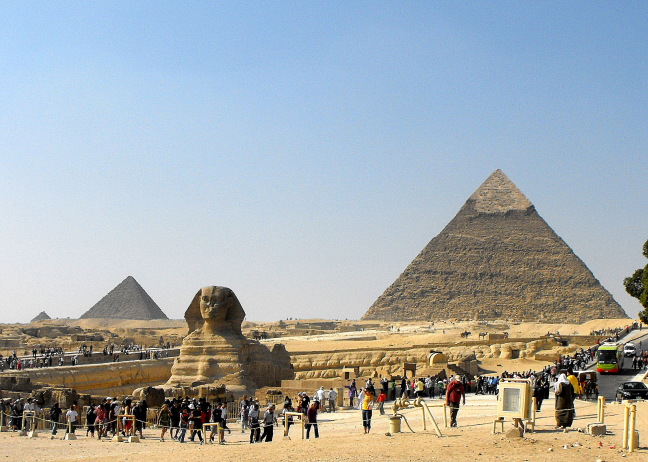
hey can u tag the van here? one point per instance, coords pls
(629, 349)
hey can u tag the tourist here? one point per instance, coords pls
(361, 396)
(30, 420)
(454, 395)
(369, 385)
(164, 419)
(184, 424)
(71, 417)
(381, 402)
(91, 417)
(366, 405)
(403, 388)
(140, 413)
(540, 392)
(287, 420)
(353, 391)
(564, 392)
(321, 396)
(223, 422)
(429, 387)
(175, 419)
(305, 403)
(244, 407)
(332, 397)
(195, 424)
(268, 422)
(384, 384)
(55, 414)
(100, 420)
(574, 381)
(311, 416)
(420, 388)
(253, 417)
(16, 415)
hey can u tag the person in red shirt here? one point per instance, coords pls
(381, 402)
(454, 395)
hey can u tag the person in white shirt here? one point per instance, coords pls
(71, 417)
(321, 395)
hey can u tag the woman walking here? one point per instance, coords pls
(564, 403)
(164, 420)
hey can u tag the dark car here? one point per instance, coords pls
(632, 390)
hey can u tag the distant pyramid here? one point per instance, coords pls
(496, 259)
(126, 301)
(42, 316)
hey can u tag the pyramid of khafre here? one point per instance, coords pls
(42, 316)
(496, 259)
(126, 301)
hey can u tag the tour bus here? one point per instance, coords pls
(609, 358)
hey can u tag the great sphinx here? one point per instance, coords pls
(216, 353)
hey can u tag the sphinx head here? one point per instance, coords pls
(215, 309)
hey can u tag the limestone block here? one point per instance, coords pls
(596, 429)
(515, 432)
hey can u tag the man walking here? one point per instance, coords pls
(269, 420)
(455, 393)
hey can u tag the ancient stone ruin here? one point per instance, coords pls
(217, 353)
(126, 301)
(496, 259)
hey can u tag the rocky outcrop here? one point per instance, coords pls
(497, 259)
(216, 353)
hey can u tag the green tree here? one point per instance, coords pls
(637, 286)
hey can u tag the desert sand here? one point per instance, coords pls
(342, 439)
(341, 436)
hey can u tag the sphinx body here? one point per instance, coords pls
(217, 353)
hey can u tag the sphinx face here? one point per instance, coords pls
(215, 303)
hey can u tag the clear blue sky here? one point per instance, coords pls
(303, 153)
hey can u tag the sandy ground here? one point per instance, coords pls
(342, 439)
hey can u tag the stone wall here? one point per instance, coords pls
(102, 379)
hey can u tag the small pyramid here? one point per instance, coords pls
(498, 259)
(126, 301)
(42, 316)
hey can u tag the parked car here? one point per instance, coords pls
(629, 349)
(632, 390)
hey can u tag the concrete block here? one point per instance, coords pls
(117, 439)
(596, 429)
(70, 436)
(133, 439)
(32, 434)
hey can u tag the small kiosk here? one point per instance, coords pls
(515, 402)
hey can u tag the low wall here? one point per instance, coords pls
(99, 379)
